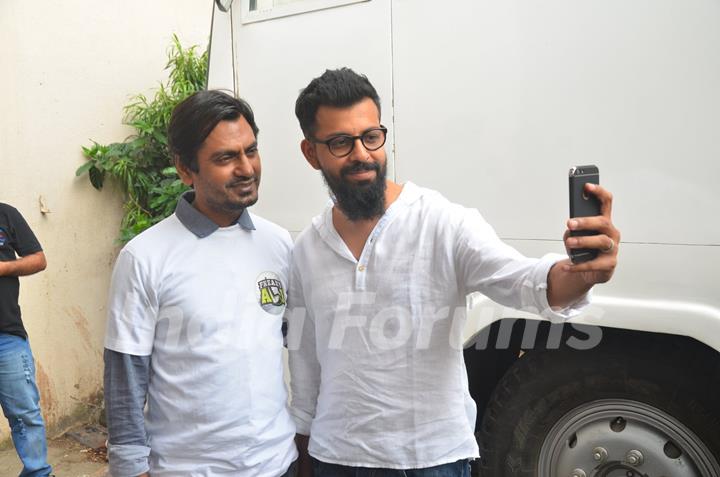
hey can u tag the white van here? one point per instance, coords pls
(490, 102)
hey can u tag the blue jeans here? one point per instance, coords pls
(460, 468)
(20, 403)
(292, 470)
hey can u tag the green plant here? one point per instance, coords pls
(142, 163)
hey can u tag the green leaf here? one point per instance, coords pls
(96, 177)
(84, 168)
(169, 171)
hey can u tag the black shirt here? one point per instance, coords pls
(15, 238)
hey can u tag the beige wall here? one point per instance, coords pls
(66, 71)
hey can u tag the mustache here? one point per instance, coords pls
(241, 181)
(360, 167)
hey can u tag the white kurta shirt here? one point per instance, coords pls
(378, 377)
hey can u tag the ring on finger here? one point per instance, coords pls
(610, 248)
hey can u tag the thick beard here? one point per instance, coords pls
(359, 201)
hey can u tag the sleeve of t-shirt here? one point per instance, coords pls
(22, 238)
(132, 308)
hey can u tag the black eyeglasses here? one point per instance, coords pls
(342, 145)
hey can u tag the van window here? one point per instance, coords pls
(259, 10)
(263, 5)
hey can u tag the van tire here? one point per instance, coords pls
(543, 386)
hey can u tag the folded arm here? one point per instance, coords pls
(27, 265)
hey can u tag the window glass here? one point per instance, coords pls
(256, 5)
(259, 10)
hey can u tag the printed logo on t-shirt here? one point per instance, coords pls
(3, 237)
(271, 293)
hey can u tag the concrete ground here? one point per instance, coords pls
(68, 458)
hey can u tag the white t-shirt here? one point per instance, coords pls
(378, 377)
(209, 312)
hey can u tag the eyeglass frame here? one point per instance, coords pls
(354, 140)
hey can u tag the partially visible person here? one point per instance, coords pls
(379, 385)
(18, 392)
(195, 314)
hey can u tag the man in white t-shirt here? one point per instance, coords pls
(378, 282)
(193, 351)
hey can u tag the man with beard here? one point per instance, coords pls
(377, 283)
(195, 316)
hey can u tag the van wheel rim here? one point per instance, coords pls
(623, 438)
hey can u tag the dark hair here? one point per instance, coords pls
(196, 116)
(337, 88)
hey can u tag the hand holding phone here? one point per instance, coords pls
(583, 204)
(591, 238)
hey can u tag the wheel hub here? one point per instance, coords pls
(612, 469)
(623, 438)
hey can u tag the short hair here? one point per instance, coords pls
(339, 88)
(195, 117)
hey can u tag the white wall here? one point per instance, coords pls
(66, 71)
